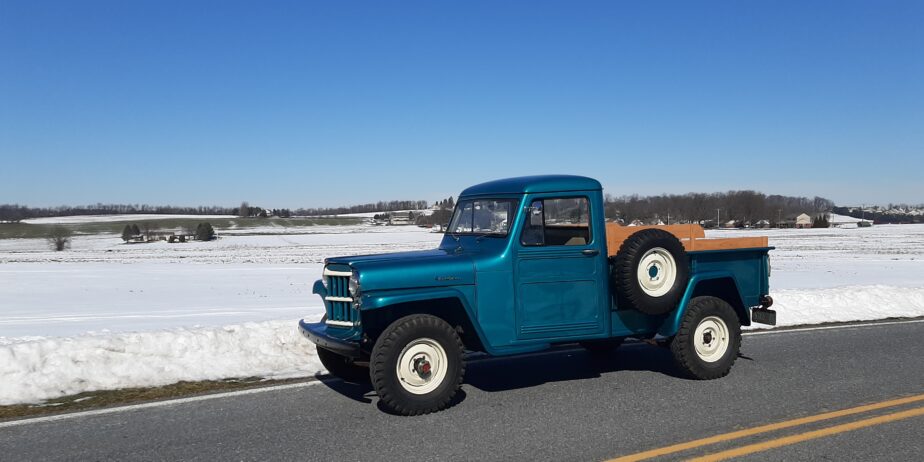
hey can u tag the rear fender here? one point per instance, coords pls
(719, 284)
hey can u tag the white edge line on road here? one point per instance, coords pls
(841, 326)
(168, 402)
(254, 391)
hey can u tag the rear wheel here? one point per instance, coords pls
(416, 365)
(709, 338)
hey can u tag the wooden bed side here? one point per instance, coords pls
(616, 234)
(693, 238)
(728, 243)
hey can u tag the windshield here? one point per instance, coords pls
(483, 216)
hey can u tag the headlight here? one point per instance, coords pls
(354, 284)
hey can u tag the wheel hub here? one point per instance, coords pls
(422, 367)
(711, 339)
(656, 272)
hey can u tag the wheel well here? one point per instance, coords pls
(448, 309)
(725, 289)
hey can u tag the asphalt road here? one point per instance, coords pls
(563, 405)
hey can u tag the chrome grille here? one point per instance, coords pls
(339, 303)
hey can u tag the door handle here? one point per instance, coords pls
(590, 252)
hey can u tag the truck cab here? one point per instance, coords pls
(525, 264)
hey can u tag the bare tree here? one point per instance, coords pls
(244, 210)
(60, 238)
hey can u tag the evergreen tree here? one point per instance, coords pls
(205, 232)
(127, 233)
(135, 230)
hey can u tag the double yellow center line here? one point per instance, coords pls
(787, 440)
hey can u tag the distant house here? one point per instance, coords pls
(399, 219)
(803, 221)
(762, 224)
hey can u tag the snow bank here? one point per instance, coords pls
(38, 369)
(843, 304)
(45, 368)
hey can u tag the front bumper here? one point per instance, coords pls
(318, 333)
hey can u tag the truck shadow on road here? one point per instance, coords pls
(497, 374)
(503, 374)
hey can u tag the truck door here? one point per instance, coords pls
(558, 269)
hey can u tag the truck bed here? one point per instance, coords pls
(693, 238)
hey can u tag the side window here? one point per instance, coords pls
(564, 221)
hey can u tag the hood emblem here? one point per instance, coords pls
(448, 278)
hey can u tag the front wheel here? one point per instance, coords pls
(709, 338)
(416, 365)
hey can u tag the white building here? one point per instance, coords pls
(803, 221)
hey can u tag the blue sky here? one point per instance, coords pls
(288, 104)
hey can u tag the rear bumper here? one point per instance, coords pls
(318, 333)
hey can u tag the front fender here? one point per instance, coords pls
(379, 300)
(383, 298)
(671, 325)
(319, 289)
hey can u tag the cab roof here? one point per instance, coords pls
(534, 184)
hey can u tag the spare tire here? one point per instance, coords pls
(651, 271)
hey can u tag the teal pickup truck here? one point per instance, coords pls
(525, 264)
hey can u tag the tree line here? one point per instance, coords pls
(381, 206)
(738, 206)
(16, 212)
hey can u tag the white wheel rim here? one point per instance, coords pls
(422, 366)
(656, 272)
(710, 340)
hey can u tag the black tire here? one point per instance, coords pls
(625, 271)
(342, 367)
(601, 347)
(390, 348)
(683, 345)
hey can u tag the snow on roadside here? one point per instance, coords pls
(45, 368)
(844, 304)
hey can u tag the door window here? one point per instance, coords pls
(558, 221)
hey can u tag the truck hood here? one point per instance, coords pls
(403, 270)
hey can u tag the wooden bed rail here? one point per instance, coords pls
(693, 238)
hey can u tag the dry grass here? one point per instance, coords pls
(101, 399)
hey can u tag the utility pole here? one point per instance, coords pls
(779, 218)
(717, 220)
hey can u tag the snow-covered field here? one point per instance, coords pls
(107, 315)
